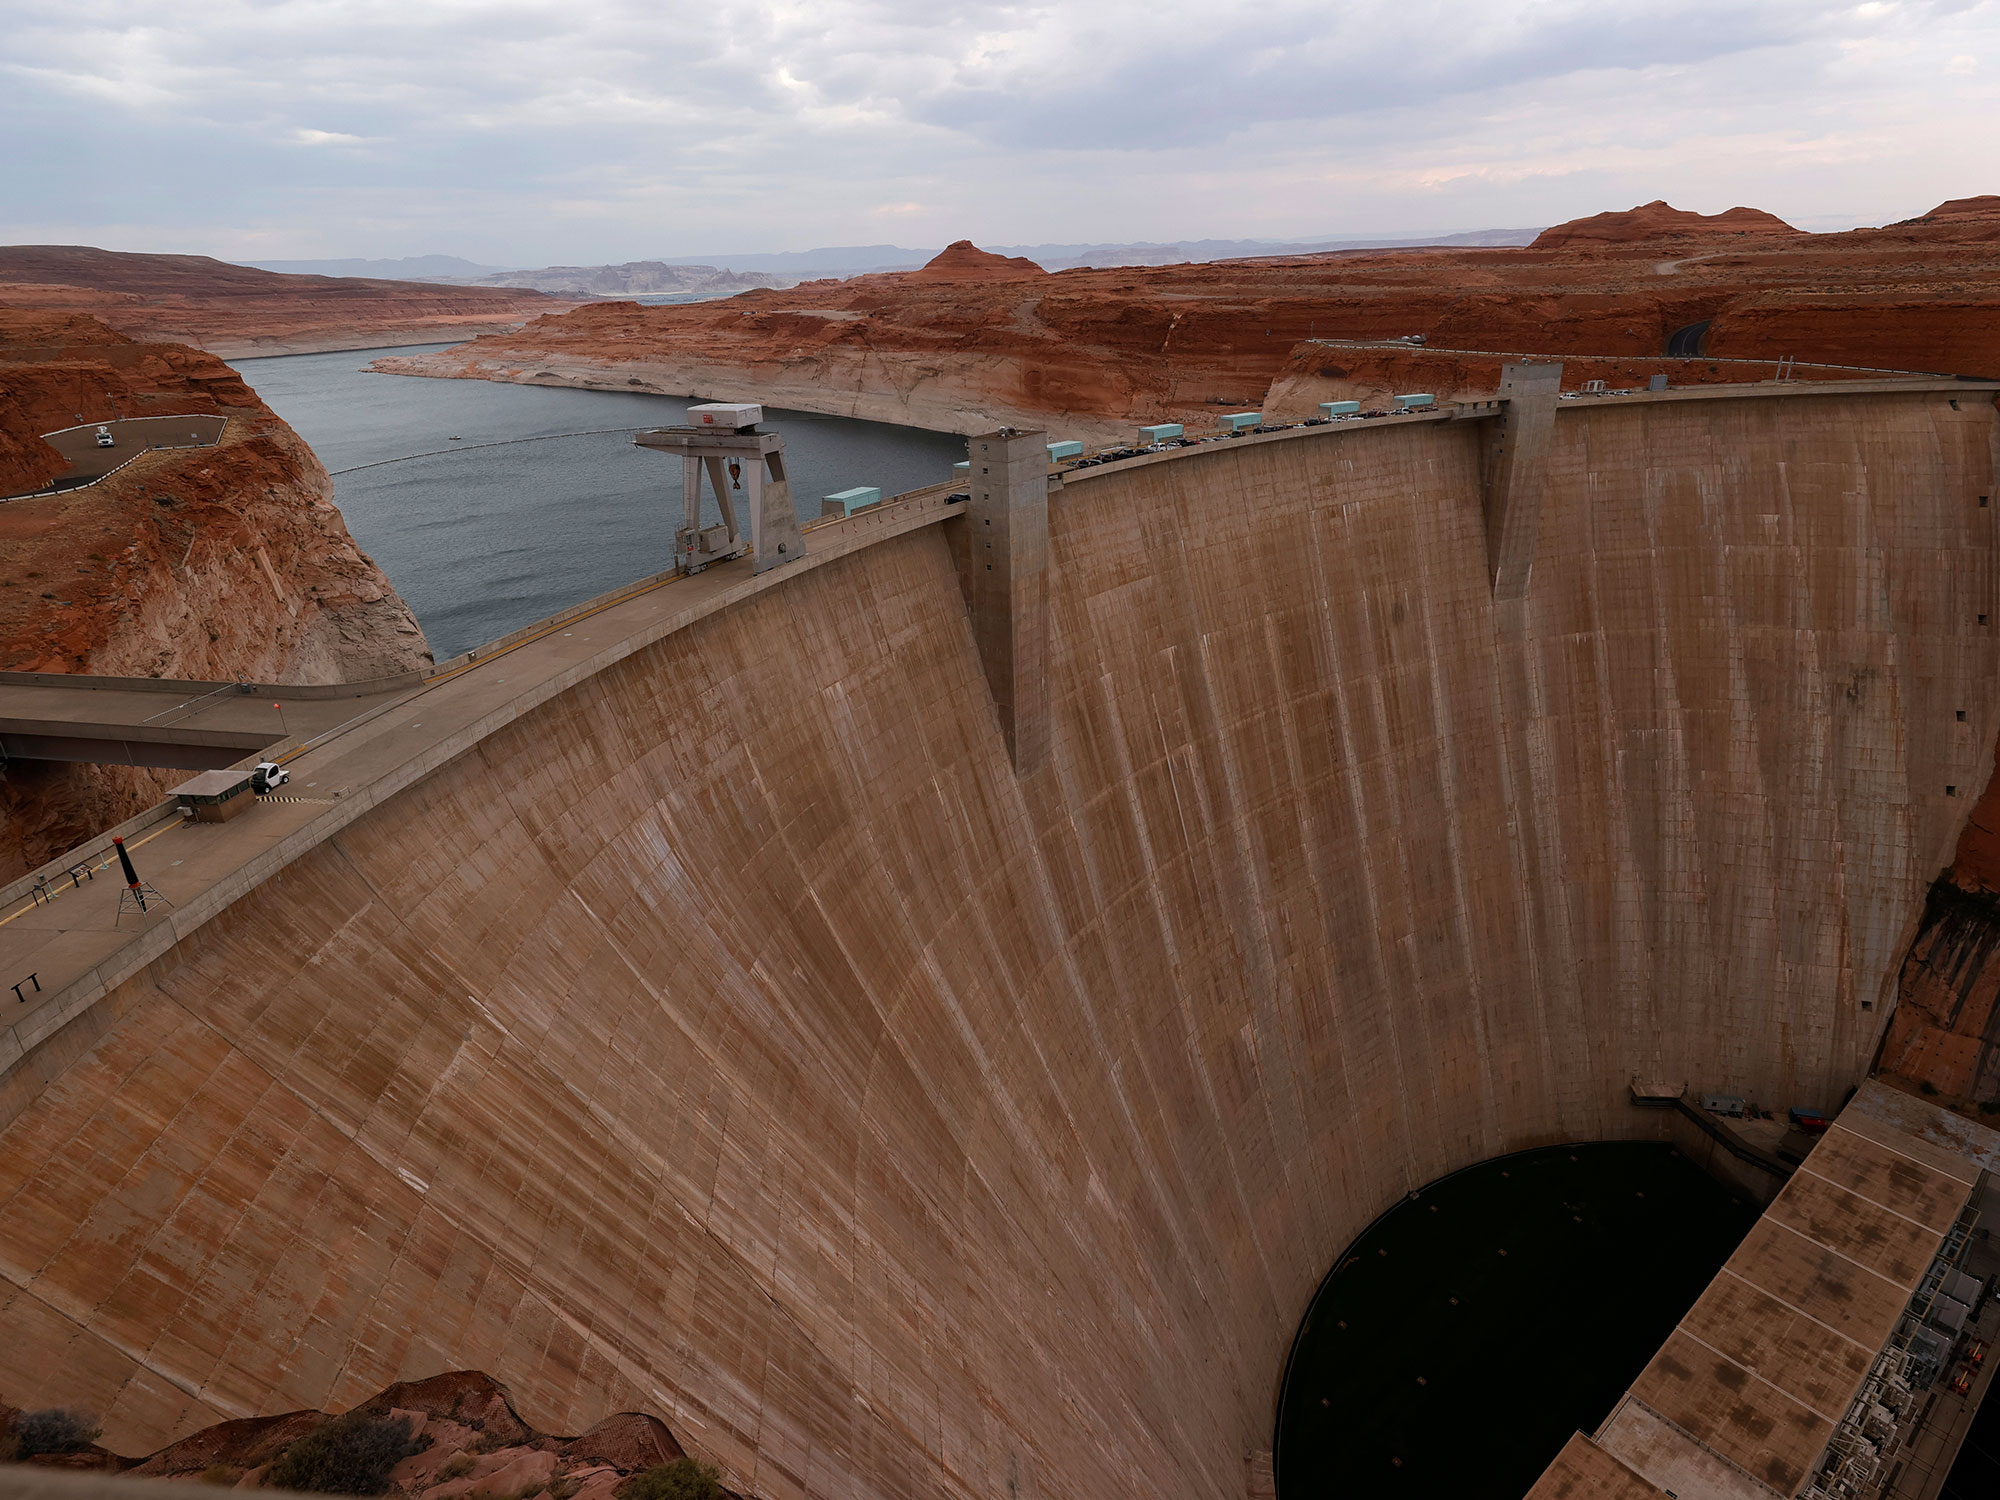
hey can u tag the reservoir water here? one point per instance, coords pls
(490, 532)
(1458, 1343)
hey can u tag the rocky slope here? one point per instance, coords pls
(214, 563)
(1944, 1038)
(237, 311)
(473, 1446)
(974, 340)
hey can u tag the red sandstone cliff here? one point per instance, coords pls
(969, 342)
(215, 563)
(1944, 1037)
(236, 311)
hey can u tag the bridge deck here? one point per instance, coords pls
(199, 726)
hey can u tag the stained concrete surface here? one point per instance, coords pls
(717, 1026)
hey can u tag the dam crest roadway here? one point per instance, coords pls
(915, 1051)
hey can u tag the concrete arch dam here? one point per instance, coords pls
(724, 1029)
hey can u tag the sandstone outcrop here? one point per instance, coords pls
(1658, 220)
(961, 346)
(237, 311)
(472, 1445)
(962, 260)
(211, 563)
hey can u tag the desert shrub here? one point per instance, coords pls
(562, 1489)
(54, 1429)
(219, 1474)
(1928, 1087)
(457, 1468)
(349, 1455)
(683, 1479)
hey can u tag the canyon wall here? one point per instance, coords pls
(734, 1036)
(239, 311)
(215, 564)
(1944, 1039)
(975, 340)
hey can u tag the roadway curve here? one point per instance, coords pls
(728, 1033)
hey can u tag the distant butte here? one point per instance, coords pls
(1658, 220)
(964, 261)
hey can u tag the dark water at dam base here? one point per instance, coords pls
(1458, 1343)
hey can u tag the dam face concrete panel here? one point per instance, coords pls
(736, 1036)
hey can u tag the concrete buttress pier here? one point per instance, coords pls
(1516, 472)
(1006, 583)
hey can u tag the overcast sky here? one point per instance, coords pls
(524, 132)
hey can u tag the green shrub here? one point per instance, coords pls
(349, 1455)
(683, 1479)
(54, 1429)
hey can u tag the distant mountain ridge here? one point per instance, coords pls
(722, 275)
(409, 268)
(857, 260)
(636, 278)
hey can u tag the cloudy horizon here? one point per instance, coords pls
(517, 132)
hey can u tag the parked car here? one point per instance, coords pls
(268, 777)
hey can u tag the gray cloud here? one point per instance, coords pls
(524, 130)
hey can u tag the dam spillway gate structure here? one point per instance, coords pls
(691, 1008)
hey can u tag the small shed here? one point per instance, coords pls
(215, 796)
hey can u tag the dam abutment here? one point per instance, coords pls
(780, 1055)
